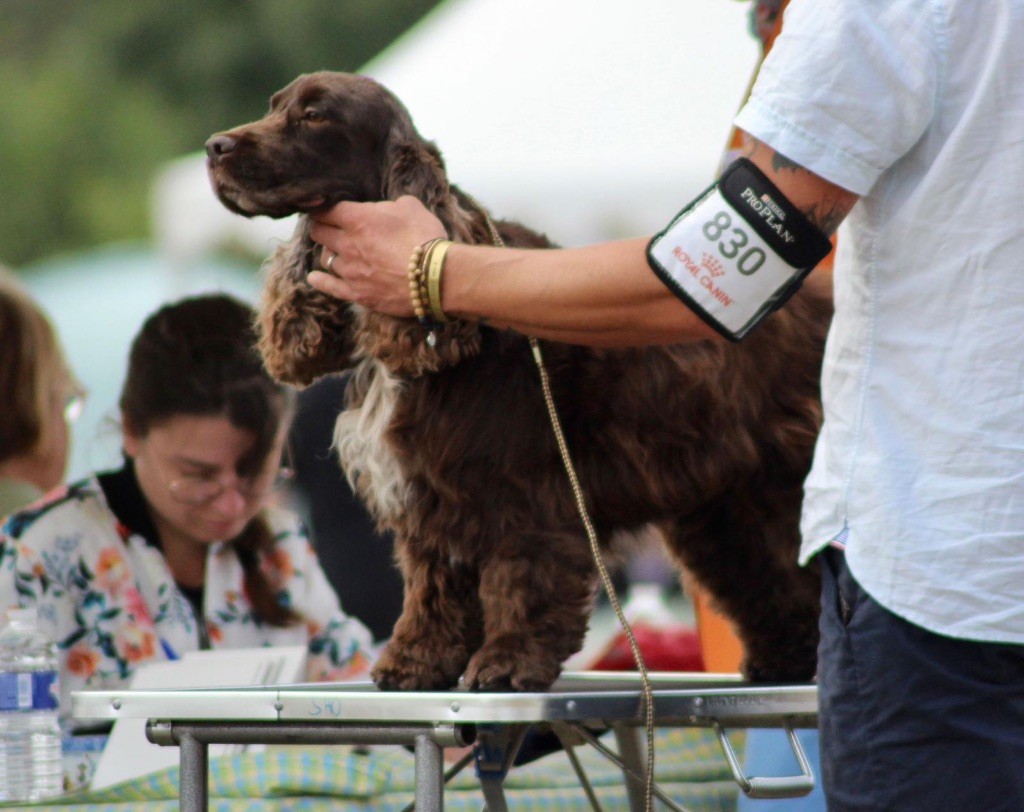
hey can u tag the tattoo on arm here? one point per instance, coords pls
(825, 208)
(827, 215)
(780, 161)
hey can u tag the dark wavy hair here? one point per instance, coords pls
(197, 357)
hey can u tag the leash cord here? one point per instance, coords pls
(581, 506)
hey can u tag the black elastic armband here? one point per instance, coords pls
(738, 251)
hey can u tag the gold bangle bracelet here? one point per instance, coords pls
(435, 268)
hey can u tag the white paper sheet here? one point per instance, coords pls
(129, 754)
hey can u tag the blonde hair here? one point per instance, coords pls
(32, 366)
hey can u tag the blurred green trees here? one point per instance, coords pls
(96, 94)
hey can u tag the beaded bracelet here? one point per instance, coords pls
(416, 291)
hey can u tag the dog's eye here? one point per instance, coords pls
(313, 116)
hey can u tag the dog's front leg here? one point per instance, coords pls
(439, 628)
(536, 605)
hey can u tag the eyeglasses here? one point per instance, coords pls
(74, 404)
(196, 490)
(199, 490)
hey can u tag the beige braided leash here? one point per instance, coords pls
(581, 506)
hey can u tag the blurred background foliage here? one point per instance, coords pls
(96, 94)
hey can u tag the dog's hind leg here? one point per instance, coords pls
(748, 564)
(536, 603)
(439, 628)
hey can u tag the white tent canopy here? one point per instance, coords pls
(584, 120)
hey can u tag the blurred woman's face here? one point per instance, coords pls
(196, 474)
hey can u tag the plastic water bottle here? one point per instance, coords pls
(31, 765)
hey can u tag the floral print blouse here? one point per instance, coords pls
(105, 594)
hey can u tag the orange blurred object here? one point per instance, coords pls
(720, 648)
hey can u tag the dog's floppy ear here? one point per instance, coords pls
(413, 167)
(303, 334)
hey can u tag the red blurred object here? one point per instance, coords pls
(664, 648)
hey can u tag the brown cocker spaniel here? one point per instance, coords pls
(451, 448)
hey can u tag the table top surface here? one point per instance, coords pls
(682, 699)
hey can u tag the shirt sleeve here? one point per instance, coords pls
(848, 87)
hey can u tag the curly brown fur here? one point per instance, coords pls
(452, 450)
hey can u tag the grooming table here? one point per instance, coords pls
(495, 723)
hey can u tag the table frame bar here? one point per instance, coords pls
(428, 722)
(193, 737)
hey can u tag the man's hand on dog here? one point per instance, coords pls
(365, 251)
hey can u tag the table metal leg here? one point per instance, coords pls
(495, 751)
(569, 745)
(628, 769)
(429, 775)
(194, 774)
(631, 753)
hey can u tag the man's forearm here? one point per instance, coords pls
(607, 295)
(600, 295)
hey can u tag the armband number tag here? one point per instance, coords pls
(723, 266)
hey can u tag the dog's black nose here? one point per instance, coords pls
(220, 145)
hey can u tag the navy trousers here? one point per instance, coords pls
(909, 719)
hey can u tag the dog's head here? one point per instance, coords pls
(327, 137)
(332, 137)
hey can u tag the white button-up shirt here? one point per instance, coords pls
(918, 106)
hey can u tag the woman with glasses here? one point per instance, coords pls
(181, 548)
(40, 398)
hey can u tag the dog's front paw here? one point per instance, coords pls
(417, 667)
(516, 668)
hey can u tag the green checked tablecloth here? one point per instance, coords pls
(689, 766)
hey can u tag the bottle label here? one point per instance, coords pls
(29, 691)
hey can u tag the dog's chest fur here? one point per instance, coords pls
(360, 438)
